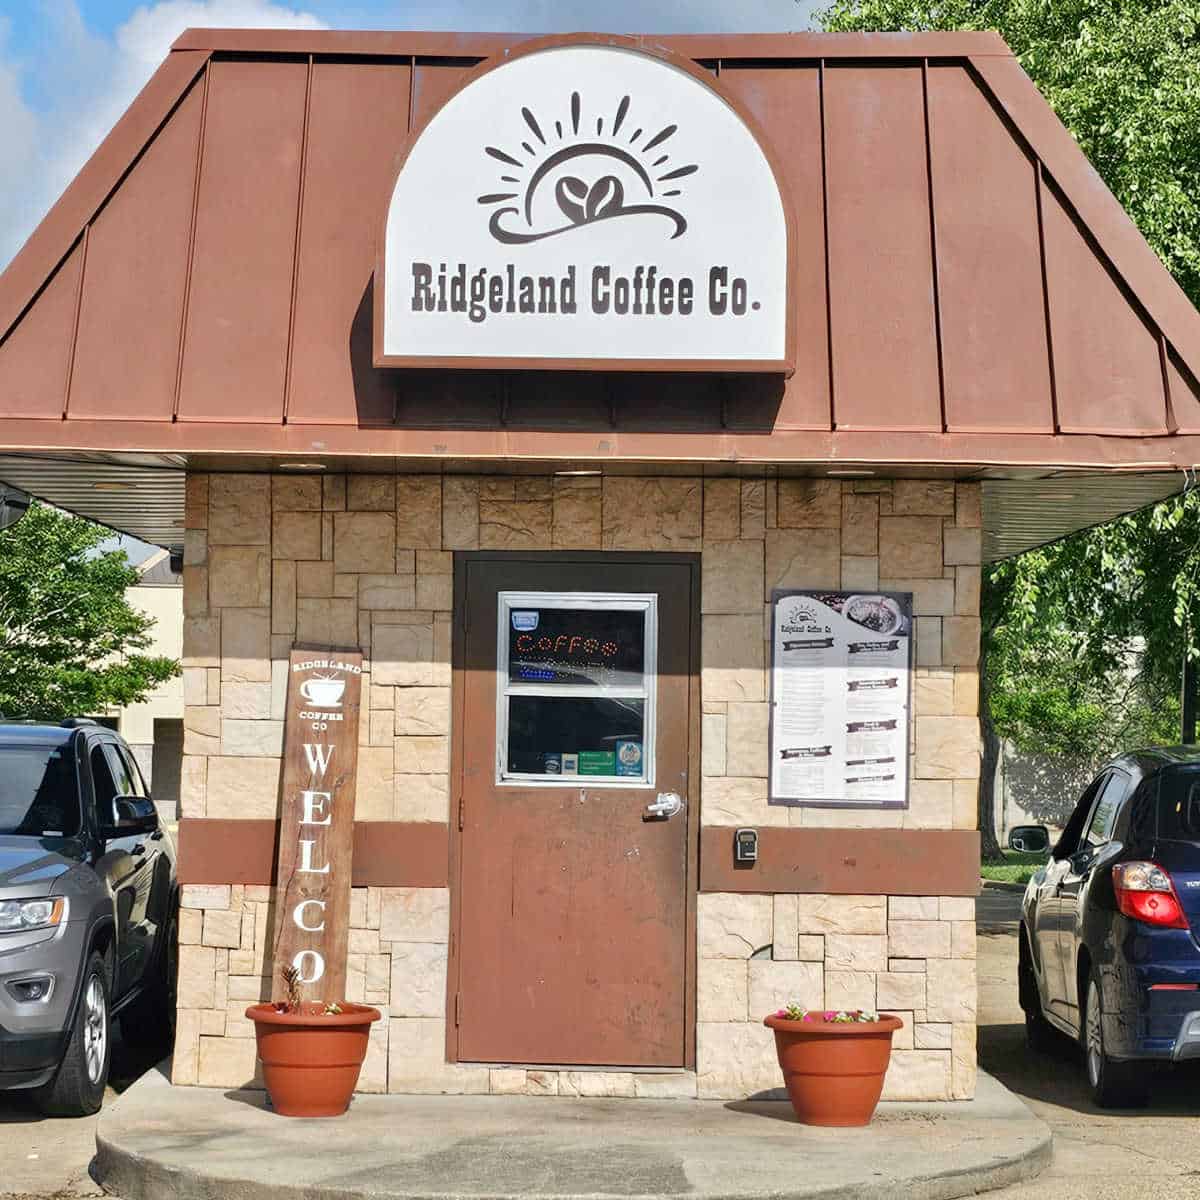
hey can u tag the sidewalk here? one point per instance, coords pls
(159, 1142)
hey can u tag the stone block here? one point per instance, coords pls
(576, 514)
(721, 989)
(913, 908)
(373, 1078)
(422, 711)
(746, 737)
(418, 984)
(918, 939)
(964, 547)
(809, 504)
(923, 497)
(963, 1069)
(773, 985)
(956, 908)
(201, 730)
(855, 952)
(195, 591)
(802, 558)
(732, 924)
(930, 804)
(418, 505)
(195, 501)
(364, 542)
(902, 1039)
(421, 755)
(435, 591)
(222, 928)
(732, 658)
(848, 990)
(928, 631)
(712, 744)
(960, 641)
(314, 580)
(414, 915)
(460, 513)
(900, 990)
(968, 510)
(327, 622)
(195, 547)
(595, 1083)
(966, 803)
(931, 597)
(722, 510)
(785, 931)
(296, 535)
(239, 510)
(295, 493)
(967, 581)
(283, 597)
(513, 525)
(842, 914)
(228, 1062)
(239, 577)
(242, 788)
(191, 926)
(417, 1060)
(642, 513)
(387, 592)
(730, 800)
(202, 640)
(918, 1075)
(251, 738)
(932, 1036)
(402, 655)
(860, 525)
(193, 786)
(421, 798)
(370, 493)
(860, 574)
(910, 547)
(246, 646)
(681, 1086)
(731, 577)
(933, 692)
(196, 977)
(966, 692)
(735, 1061)
(374, 797)
(541, 1083)
(185, 1064)
(810, 947)
(947, 748)
(507, 1081)
(204, 895)
(962, 939)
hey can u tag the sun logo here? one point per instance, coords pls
(605, 171)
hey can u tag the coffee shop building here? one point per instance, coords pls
(607, 436)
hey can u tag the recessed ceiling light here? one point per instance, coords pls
(849, 472)
(302, 466)
(577, 472)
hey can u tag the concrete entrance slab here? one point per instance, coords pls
(160, 1142)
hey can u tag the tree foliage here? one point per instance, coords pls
(1083, 640)
(70, 643)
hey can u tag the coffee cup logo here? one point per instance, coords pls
(323, 693)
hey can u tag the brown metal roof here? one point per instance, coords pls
(967, 291)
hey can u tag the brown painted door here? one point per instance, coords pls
(573, 908)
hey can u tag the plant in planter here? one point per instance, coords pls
(311, 1051)
(833, 1062)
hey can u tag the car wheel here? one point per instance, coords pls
(77, 1089)
(1114, 1084)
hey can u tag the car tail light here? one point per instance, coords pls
(1145, 893)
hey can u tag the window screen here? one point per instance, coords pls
(576, 685)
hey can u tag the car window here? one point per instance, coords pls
(1072, 833)
(1104, 812)
(1178, 807)
(133, 771)
(104, 786)
(121, 772)
(38, 794)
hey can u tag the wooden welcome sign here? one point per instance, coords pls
(320, 762)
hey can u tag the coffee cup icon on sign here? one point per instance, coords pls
(323, 693)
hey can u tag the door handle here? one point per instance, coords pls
(666, 805)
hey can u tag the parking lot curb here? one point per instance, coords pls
(159, 1142)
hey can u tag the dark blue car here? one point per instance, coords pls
(1110, 927)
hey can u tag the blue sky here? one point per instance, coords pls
(68, 68)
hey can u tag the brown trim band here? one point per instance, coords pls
(864, 862)
(386, 853)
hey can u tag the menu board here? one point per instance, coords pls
(840, 683)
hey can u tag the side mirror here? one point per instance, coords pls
(1029, 839)
(135, 815)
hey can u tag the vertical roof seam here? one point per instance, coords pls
(1038, 187)
(74, 342)
(181, 345)
(935, 277)
(299, 226)
(1168, 404)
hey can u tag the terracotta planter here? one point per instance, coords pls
(311, 1061)
(833, 1071)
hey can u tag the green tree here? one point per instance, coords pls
(70, 643)
(1083, 640)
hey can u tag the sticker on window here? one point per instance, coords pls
(523, 622)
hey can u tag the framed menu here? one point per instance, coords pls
(841, 666)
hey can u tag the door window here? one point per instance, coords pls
(1105, 812)
(1077, 824)
(104, 786)
(576, 684)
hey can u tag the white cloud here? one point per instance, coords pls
(90, 81)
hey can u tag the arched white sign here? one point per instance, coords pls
(586, 206)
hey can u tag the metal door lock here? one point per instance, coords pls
(666, 805)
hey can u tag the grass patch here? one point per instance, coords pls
(1015, 866)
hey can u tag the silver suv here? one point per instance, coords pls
(88, 900)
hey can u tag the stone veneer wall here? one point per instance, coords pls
(366, 560)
